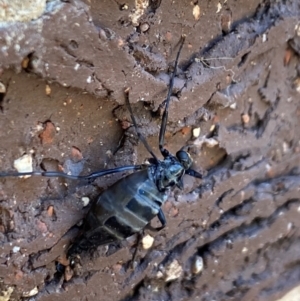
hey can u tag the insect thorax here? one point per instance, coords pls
(166, 173)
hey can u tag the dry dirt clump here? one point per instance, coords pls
(21, 10)
(234, 235)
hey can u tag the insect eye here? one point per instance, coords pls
(184, 158)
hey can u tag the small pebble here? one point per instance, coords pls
(233, 106)
(144, 27)
(173, 271)
(124, 7)
(24, 164)
(287, 57)
(16, 249)
(25, 62)
(76, 67)
(85, 200)
(245, 118)
(212, 127)
(196, 132)
(296, 84)
(211, 142)
(197, 265)
(6, 293)
(102, 34)
(117, 267)
(109, 154)
(196, 12)
(50, 210)
(48, 90)
(89, 79)
(245, 250)
(285, 147)
(31, 293)
(147, 242)
(264, 38)
(159, 275)
(2, 88)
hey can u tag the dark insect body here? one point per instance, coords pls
(130, 204)
(121, 211)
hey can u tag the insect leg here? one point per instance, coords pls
(164, 121)
(138, 241)
(162, 219)
(193, 173)
(140, 136)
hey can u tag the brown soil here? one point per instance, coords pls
(238, 80)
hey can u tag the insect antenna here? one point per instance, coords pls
(140, 136)
(89, 177)
(164, 121)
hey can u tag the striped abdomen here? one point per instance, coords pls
(123, 209)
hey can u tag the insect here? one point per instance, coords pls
(126, 207)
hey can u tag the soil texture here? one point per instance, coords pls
(235, 234)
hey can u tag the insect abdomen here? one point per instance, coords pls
(123, 209)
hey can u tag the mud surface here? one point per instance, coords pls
(232, 236)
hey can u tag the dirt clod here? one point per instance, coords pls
(48, 133)
(76, 154)
(173, 271)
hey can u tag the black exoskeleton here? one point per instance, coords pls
(131, 203)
